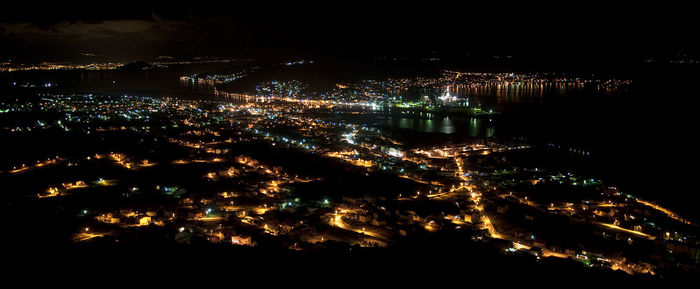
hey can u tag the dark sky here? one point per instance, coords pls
(129, 31)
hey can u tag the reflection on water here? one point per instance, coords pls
(517, 89)
(468, 126)
(510, 93)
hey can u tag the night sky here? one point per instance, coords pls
(564, 34)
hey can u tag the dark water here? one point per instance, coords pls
(641, 138)
(463, 126)
(157, 82)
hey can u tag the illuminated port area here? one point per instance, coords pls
(451, 147)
